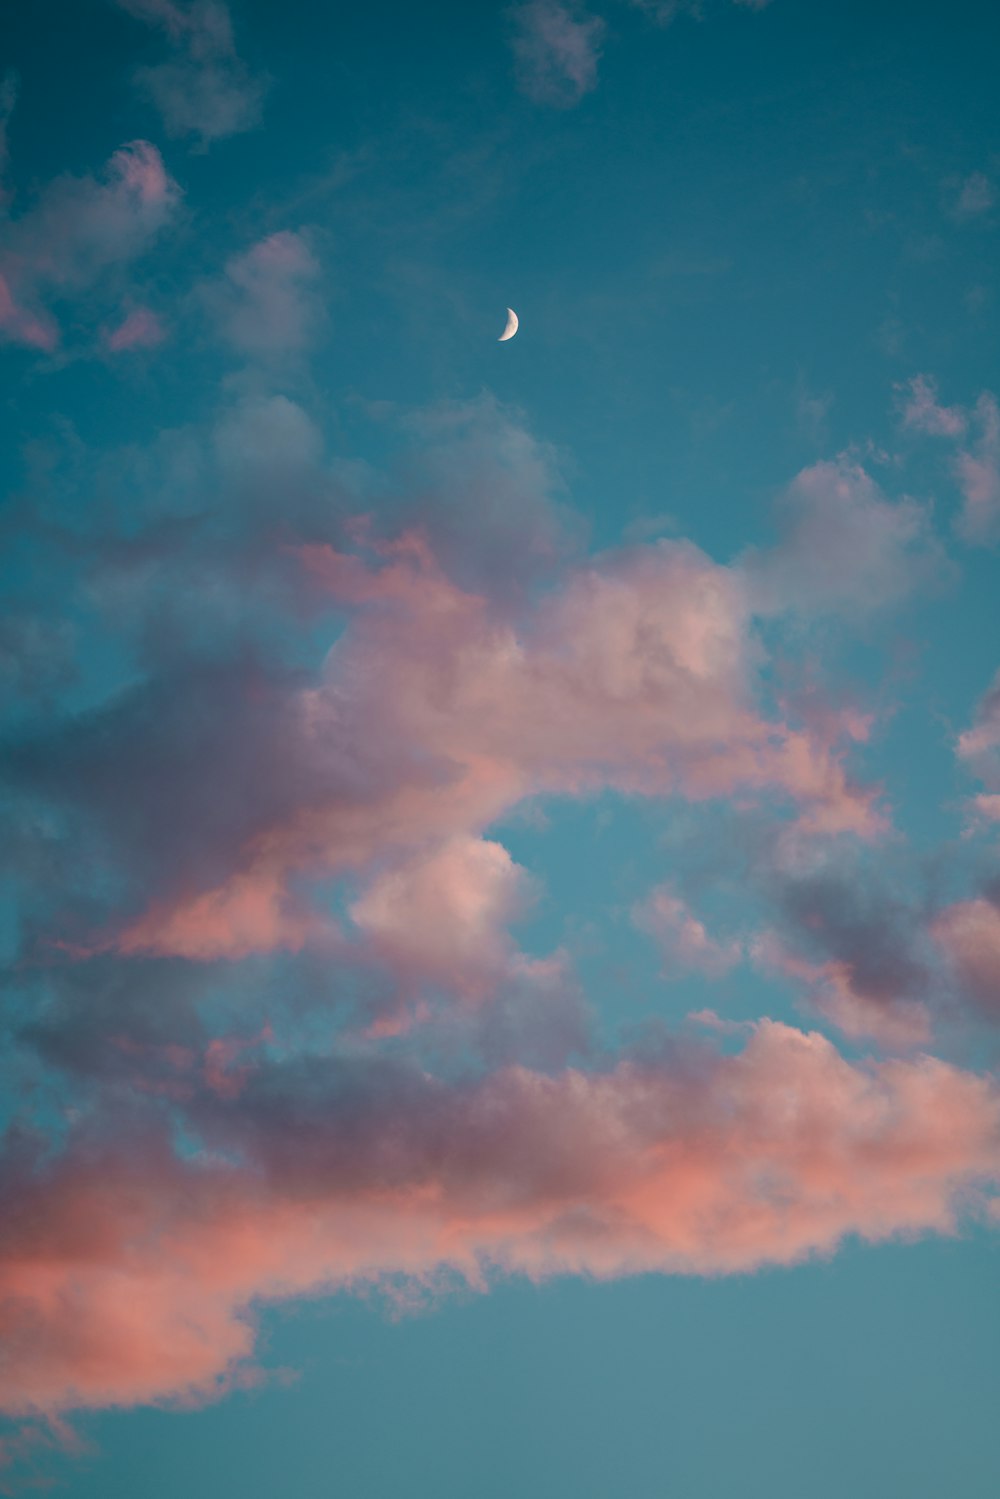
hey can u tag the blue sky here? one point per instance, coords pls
(500, 902)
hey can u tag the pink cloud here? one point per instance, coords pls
(834, 991)
(19, 326)
(130, 1277)
(637, 675)
(985, 809)
(140, 329)
(79, 228)
(443, 914)
(253, 913)
(681, 937)
(229, 1062)
(969, 933)
(556, 51)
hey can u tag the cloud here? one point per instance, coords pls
(556, 51)
(635, 676)
(979, 476)
(849, 935)
(845, 548)
(838, 992)
(128, 1274)
(267, 303)
(977, 465)
(285, 826)
(969, 933)
(434, 714)
(681, 937)
(139, 329)
(442, 915)
(75, 234)
(923, 413)
(980, 745)
(976, 196)
(979, 749)
(206, 90)
(488, 495)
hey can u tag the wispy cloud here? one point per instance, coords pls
(663, 12)
(923, 412)
(556, 51)
(205, 90)
(976, 196)
(139, 329)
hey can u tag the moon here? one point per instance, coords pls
(511, 327)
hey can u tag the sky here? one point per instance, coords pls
(500, 848)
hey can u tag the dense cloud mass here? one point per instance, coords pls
(297, 688)
(129, 1274)
(203, 818)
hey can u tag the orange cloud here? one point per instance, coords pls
(131, 1276)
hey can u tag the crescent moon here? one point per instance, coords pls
(511, 327)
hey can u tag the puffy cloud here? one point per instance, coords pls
(442, 915)
(267, 303)
(845, 548)
(434, 717)
(849, 936)
(338, 816)
(556, 51)
(985, 808)
(837, 991)
(205, 90)
(77, 231)
(681, 937)
(128, 1274)
(969, 933)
